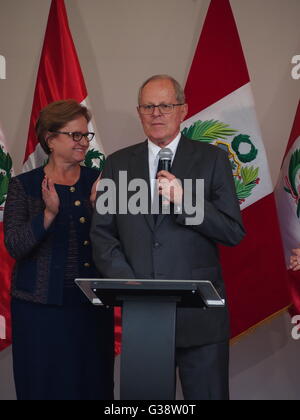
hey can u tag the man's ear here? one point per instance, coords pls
(138, 111)
(184, 111)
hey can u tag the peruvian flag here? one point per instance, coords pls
(6, 261)
(287, 194)
(222, 113)
(60, 77)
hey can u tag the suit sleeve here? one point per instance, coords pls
(107, 249)
(22, 233)
(222, 221)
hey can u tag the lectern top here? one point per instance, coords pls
(188, 293)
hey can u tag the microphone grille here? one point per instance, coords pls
(165, 154)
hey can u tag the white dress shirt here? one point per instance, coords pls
(154, 158)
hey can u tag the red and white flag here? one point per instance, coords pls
(222, 113)
(59, 77)
(7, 262)
(287, 194)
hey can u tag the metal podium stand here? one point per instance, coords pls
(148, 328)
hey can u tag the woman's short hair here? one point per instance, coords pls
(55, 116)
(179, 92)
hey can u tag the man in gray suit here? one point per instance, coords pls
(168, 247)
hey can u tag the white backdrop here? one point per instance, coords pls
(122, 42)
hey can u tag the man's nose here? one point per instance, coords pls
(157, 112)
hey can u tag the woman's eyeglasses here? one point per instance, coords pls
(76, 135)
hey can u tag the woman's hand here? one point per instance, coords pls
(295, 260)
(94, 192)
(51, 201)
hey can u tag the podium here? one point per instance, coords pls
(148, 328)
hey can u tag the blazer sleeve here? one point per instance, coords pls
(108, 255)
(222, 221)
(22, 233)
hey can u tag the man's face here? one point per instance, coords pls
(160, 128)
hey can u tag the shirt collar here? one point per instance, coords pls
(154, 149)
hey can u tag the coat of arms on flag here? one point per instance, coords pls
(292, 178)
(218, 133)
(287, 194)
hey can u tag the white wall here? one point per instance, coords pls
(265, 363)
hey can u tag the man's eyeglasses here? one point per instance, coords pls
(164, 108)
(76, 135)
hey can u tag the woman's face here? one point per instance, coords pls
(64, 148)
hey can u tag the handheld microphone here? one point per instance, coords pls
(165, 160)
(164, 164)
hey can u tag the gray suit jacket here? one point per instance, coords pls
(133, 246)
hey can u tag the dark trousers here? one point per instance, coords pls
(204, 371)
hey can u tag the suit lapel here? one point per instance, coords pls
(139, 168)
(182, 164)
(184, 159)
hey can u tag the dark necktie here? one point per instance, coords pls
(164, 163)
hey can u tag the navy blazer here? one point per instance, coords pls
(41, 255)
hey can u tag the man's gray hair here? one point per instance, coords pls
(179, 92)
